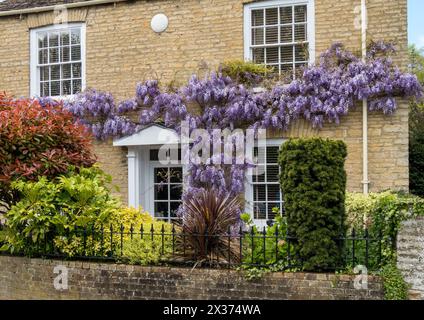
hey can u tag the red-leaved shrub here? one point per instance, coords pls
(38, 141)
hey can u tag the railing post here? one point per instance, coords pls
(288, 248)
(85, 240)
(241, 244)
(380, 238)
(111, 240)
(173, 240)
(122, 239)
(353, 246)
(276, 245)
(163, 239)
(93, 249)
(264, 243)
(102, 240)
(229, 246)
(206, 241)
(252, 232)
(366, 247)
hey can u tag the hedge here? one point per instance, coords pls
(313, 181)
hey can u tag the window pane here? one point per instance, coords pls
(55, 72)
(66, 87)
(42, 40)
(161, 175)
(272, 173)
(300, 14)
(271, 16)
(54, 55)
(75, 36)
(53, 39)
(258, 55)
(174, 208)
(66, 71)
(76, 53)
(55, 88)
(271, 35)
(259, 174)
(272, 154)
(273, 192)
(64, 38)
(286, 54)
(44, 74)
(301, 52)
(257, 36)
(257, 17)
(300, 32)
(271, 206)
(176, 192)
(45, 89)
(286, 72)
(161, 192)
(286, 15)
(176, 175)
(161, 209)
(299, 69)
(286, 34)
(259, 192)
(43, 56)
(259, 211)
(272, 55)
(76, 86)
(65, 54)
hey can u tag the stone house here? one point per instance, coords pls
(110, 46)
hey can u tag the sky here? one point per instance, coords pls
(416, 22)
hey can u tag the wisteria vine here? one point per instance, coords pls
(325, 93)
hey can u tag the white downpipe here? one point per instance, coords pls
(365, 178)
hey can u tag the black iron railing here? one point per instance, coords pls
(169, 245)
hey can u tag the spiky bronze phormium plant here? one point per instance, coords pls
(210, 225)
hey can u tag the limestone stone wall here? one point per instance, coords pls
(122, 50)
(410, 248)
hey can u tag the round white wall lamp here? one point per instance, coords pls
(159, 23)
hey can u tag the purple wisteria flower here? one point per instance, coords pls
(324, 93)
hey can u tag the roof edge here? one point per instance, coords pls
(53, 7)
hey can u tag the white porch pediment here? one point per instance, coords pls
(152, 135)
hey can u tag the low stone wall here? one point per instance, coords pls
(410, 247)
(24, 278)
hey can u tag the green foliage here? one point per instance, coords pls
(147, 251)
(313, 181)
(416, 149)
(382, 214)
(416, 62)
(395, 287)
(246, 73)
(266, 246)
(48, 208)
(416, 128)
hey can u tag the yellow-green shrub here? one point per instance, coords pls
(148, 249)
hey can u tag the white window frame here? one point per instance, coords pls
(249, 201)
(248, 51)
(151, 183)
(141, 177)
(34, 69)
